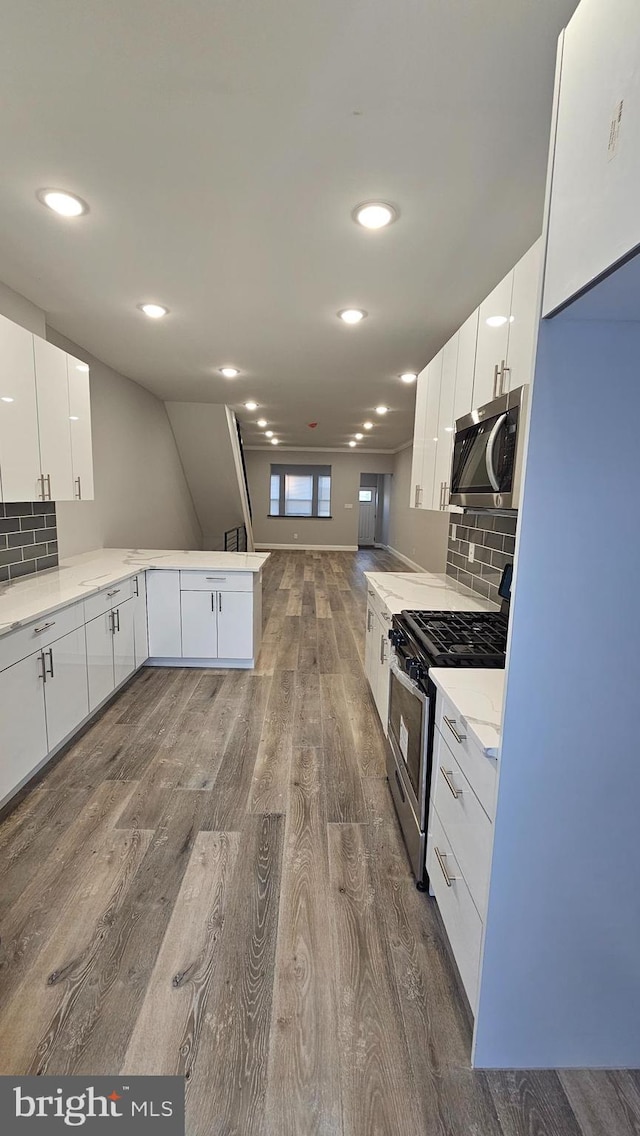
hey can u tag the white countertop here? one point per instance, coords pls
(424, 591)
(35, 596)
(477, 695)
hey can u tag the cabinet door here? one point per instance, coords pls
(124, 654)
(53, 420)
(433, 375)
(446, 425)
(417, 457)
(80, 423)
(524, 319)
(382, 678)
(369, 647)
(19, 452)
(199, 624)
(235, 625)
(140, 633)
(163, 614)
(23, 729)
(99, 633)
(493, 341)
(66, 692)
(594, 219)
(466, 365)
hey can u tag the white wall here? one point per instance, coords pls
(421, 535)
(141, 495)
(341, 530)
(15, 307)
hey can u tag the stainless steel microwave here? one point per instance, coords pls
(487, 454)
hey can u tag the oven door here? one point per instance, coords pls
(408, 732)
(484, 469)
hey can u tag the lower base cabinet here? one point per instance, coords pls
(23, 725)
(376, 663)
(110, 651)
(65, 686)
(199, 631)
(140, 626)
(124, 652)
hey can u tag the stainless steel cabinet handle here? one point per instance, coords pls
(503, 374)
(416, 496)
(48, 487)
(136, 586)
(219, 601)
(382, 648)
(114, 592)
(370, 593)
(451, 723)
(216, 577)
(440, 857)
(496, 374)
(399, 784)
(117, 615)
(44, 627)
(112, 623)
(369, 617)
(213, 601)
(50, 654)
(448, 776)
(43, 672)
(41, 496)
(79, 489)
(385, 615)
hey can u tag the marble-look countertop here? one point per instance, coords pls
(33, 597)
(424, 591)
(477, 695)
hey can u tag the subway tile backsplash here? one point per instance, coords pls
(494, 538)
(28, 539)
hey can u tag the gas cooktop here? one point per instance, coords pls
(458, 638)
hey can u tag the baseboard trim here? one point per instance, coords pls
(307, 547)
(404, 559)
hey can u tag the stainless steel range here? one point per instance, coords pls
(421, 640)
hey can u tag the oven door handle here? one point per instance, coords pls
(407, 682)
(495, 430)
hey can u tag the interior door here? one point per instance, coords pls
(368, 499)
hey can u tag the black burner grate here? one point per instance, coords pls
(460, 638)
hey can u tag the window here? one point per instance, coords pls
(300, 491)
(366, 496)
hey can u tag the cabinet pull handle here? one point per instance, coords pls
(216, 577)
(136, 586)
(48, 487)
(41, 494)
(448, 776)
(117, 617)
(213, 601)
(79, 489)
(382, 648)
(451, 723)
(440, 857)
(114, 592)
(370, 593)
(112, 623)
(369, 614)
(219, 601)
(50, 654)
(399, 784)
(44, 627)
(418, 496)
(496, 372)
(503, 373)
(43, 672)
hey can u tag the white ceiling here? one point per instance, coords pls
(222, 144)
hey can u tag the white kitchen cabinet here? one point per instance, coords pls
(459, 913)
(369, 645)
(466, 365)
(235, 626)
(124, 654)
(446, 425)
(140, 631)
(80, 428)
(377, 659)
(19, 447)
(425, 434)
(23, 727)
(65, 687)
(199, 631)
(493, 341)
(163, 613)
(593, 215)
(99, 633)
(52, 394)
(524, 320)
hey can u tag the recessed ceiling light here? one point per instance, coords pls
(381, 409)
(274, 441)
(269, 433)
(154, 311)
(352, 443)
(5, 398)
(65, 204)
(251, 405)
(262, 422)
(73, 418)
(358, 437)
(352, 315)
(229, 372)
(368, 425)
(497, 321)
(374, 214)
(409, 377)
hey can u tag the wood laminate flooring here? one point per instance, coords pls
(211, 882)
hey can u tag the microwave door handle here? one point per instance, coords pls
(490, 448)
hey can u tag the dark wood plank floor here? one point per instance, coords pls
(211, 882)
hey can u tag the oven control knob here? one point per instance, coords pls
(414, 670)
(397, 638)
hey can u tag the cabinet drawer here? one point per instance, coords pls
(106, 599)
(216, 581)
(462, 922)
(41, 633)
(468, 828)
(480, 771)
(379, 606)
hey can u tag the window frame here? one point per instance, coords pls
(315, 472)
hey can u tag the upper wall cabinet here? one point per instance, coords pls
(425, 434)
(524, 318)
(594, 218)
(45, 420)
(493, 342)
